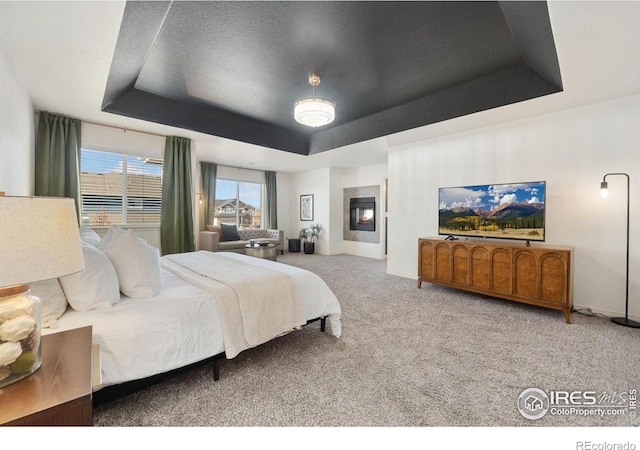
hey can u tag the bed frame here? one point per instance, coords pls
(220, 356)
(113, 392)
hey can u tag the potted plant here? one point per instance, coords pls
(310, 236)
(302, 237)
(294, 244)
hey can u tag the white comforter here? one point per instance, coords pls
(139, 338)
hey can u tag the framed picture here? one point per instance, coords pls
(306, 207)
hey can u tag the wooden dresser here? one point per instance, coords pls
(537, 275)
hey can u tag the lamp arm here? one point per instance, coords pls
(614, 173)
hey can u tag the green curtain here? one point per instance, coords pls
(271, 210)
(208, 172)
(176, 224)
(57, 165)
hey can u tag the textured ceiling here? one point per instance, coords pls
(235, 69)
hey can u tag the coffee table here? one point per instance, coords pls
(261, 251)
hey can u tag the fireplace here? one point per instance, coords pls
(362, 214)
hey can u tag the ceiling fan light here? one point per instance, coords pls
(314, 112)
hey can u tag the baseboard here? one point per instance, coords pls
(605, 312)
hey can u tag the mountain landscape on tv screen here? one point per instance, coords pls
(522, 218)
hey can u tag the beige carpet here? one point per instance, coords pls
(407, 357)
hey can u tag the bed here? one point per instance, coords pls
(185, 322)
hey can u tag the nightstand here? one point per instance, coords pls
(60, 392)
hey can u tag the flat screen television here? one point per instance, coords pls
(502, 211)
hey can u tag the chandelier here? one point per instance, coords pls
(313, 111)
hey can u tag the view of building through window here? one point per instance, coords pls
(238, 202)
(120, 189)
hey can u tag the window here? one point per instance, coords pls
(120, 189)
(238, 202)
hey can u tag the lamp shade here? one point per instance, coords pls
(314, 112)
(39, 239)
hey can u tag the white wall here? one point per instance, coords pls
(17, 129)
(106, 138)
(571, 151)
(318, 183)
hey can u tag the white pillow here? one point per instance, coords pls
(137, 265)
(94, 287)
(113, 234)
(53, 302)
(89, 236)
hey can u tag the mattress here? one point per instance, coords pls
(141, 337)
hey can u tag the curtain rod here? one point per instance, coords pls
(113, 126)
(200, 161)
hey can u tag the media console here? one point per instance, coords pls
(538, 275)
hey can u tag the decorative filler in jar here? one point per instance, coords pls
(19, 335)
(39, 240)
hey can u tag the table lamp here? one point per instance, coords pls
(39, 240)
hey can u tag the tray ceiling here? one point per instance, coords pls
(235, 69)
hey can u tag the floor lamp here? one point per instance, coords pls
(622, 320)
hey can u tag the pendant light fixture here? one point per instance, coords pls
(313, 111)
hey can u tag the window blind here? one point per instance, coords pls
(120, 189)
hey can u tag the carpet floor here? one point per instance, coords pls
(407, 357)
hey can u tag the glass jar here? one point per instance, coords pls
(20, 326)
